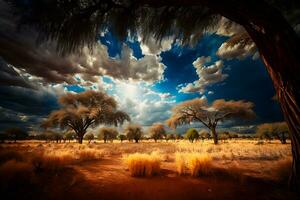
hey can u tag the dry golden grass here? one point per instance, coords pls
(197, 164)
(143, 164)
(89, 154)
(235, 156)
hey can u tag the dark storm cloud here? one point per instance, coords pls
(19, 48)
(10, 77)
(27, 101)
(25, 107)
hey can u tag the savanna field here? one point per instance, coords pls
(176, 169)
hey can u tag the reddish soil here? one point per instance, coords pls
(108, 179)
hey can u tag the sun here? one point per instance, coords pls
(130, 90)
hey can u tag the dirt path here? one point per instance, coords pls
(108, 179)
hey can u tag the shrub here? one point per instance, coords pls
(192, 134)
(143, 164)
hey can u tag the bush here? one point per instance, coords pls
(143, 164)
(192, 134)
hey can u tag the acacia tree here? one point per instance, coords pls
(157, 131)
(266, 23)
(82, 110)
(107, 133)
(133, 132)
(199, 110)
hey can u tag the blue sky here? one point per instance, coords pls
(247, 78)
(146, 78)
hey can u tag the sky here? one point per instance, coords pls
(146, 78)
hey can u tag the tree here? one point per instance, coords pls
(210, 115)
(157, 131)
(224, 135)
(69, 135)
(278, 130)
(82, 110)
(178, 136)
(265, 22)
(122, 137)
(171, 136)
(191, 134)
(16, 134)
(107, 134)
(54, 136)
(89, 137)
(203, 134)
(134, 132)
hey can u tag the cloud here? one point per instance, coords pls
(208, 75)
(9, 76)
(19, 48)
(153, 47)
(228, 28)
(239, 45)
(238, 50)
(144, 105)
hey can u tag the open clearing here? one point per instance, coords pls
(242, 170)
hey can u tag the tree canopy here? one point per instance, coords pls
(157, 131)
(80, 111)
(210, 115)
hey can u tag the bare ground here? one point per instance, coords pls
(108, 179)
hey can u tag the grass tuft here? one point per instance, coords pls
(141, 165)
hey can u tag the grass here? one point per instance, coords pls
(242, 156)
(197, 164)
(141, 165)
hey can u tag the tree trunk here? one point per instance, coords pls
(283, 138)
(279, 47)
(136, 140)
(214, 134)
(80, 139)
